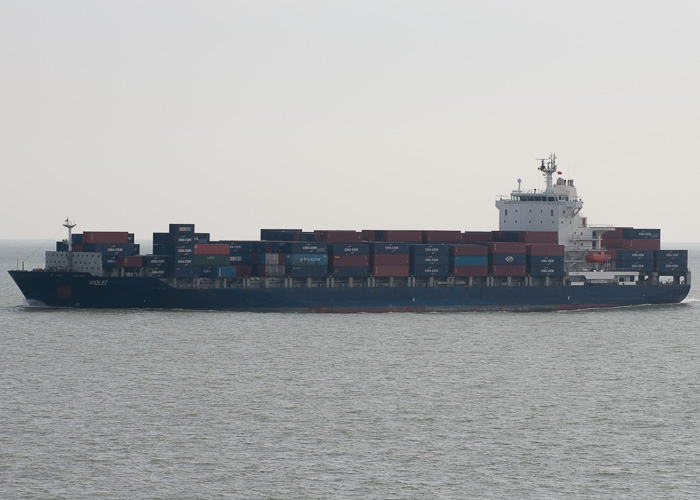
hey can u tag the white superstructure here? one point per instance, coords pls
(556, 208)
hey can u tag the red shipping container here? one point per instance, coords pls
(349, 260)
(476, 236)
(389, 271)
(390, 259)
(77, 247)
(129, 261)
(633, 244)
(368, 234)
(538, 237)
(469, 250)
(506, 247)
(120, 237)
(545, 250)
(464, 271)
(403, 236)
(338, 236)
(442, 237)
(211, 249)
(505, 270)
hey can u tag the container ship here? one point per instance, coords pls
(544, 257)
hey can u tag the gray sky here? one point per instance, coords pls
(129, 115)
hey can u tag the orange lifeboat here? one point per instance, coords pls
(596, 257)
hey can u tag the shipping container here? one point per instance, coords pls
(184, 272)
(627, 255)
(202, 237)
(156, 261)
(61, 246)
(162, 238)
(406, 236)
(183, 250)
(181, 228)
(106, 237)
(280, 234)
(476, 237)
(272, 271)
(505, 236)
(77, 239)
(348, 260)
(389, 248)
(390, 259)
(114, 249)
(468, 260)
(306, 236)
(306, 271)
(158, 272)
(442, 237)
(503, 271)
(243, 246)
(203, 271)
(429, 260)
(426, 271)
(159, 249)
(348, 249)
(468, 250)
(211, 260)
(130, 261)
(211, 249)
(540, 260)
(184, 261)
(545, 250)
(371, 235)
(633, 244)
(635, 265)
(78, 247)
(306, 259)
(507, 247)
(429, 250)
(542, 270)
(466, 271)
(349, 272)
(508, 259)
(662, 255)
(389, 271)
(131, 238)
(243, 259)
(538, 237)
(338, 236)
(641, 234)
(224, 272)
(676, 265)
(303, 247)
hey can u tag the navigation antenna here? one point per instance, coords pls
(548, 169)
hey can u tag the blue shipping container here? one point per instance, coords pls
(184, 261)
(537, 260)
(181, 228)
(161, 238)
(348, 249)
(635, 265)
(202, 271)
(417, 249)
(641, 234)
(480, 260)
(426, 271)
(542, 270)
(662, 255)
(507, 259)
(303, 247)
(388, 248)
(184, 272)
(77, 239)
(631, 255)
(306, 259)
(678, 265)
(430, 260)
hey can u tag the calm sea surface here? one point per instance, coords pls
(156, 404)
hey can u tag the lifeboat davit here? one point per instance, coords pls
(596, 257)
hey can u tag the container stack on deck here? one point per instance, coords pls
(469, 260)
(429, 260)
(389, 260)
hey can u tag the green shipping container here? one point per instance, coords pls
(211, 260)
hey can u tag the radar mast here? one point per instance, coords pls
(548, 169)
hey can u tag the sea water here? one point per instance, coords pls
(177, 404)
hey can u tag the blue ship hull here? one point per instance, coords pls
(81, 290)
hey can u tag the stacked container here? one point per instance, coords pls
(442, 237)
(338, 236)
(429, 260)
(469, 260)
(627, 238)
(545, 259)
(158, 265)
(672, 260)
(182, 248)
(507, 258)
(305, 259)
(348, 260)
(208, 257)
(389, 260)
(110, 244)
(634, 260)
